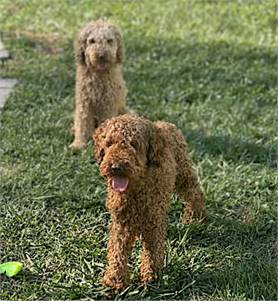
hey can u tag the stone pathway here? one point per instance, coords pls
(4, 54)
(6, 85)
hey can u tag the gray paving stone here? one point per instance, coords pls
(1, 45)
(6, 87)
(6, 84)
(4, 54)
(4, 94)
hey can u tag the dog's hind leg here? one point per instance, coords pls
(188, 188)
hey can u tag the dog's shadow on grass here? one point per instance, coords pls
(169, 71)
(166, 77)
(232, 149)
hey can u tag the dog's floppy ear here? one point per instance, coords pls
(156, 146)
(99, 133)
(98, 136)
(80, 47)
(120, 44)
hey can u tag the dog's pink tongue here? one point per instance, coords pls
(120, 183)
(101, 67)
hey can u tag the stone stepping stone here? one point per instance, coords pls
(6, 85)
(4, 54)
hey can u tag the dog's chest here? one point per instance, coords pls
(105, 93)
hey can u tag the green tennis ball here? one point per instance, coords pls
(11, 268)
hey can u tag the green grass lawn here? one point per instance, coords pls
(208, 66)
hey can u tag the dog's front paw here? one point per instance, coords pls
(190, 217)
(72, 130)
(147, 276)
(76, 145)
(115, 282)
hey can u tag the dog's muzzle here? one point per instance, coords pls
(119, 179)
(119, 169)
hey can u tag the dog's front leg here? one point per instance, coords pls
(83, 118)
(119, 248)
(153, 249)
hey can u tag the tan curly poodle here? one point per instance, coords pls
(100, 88)
(144, 163)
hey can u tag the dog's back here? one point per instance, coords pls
(174, 139)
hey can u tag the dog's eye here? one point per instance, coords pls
(101, 155)
(110, 41)
(91, 41)
(134, 144)
(109, 143)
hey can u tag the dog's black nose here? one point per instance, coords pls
(101, 57)
(118, 168)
